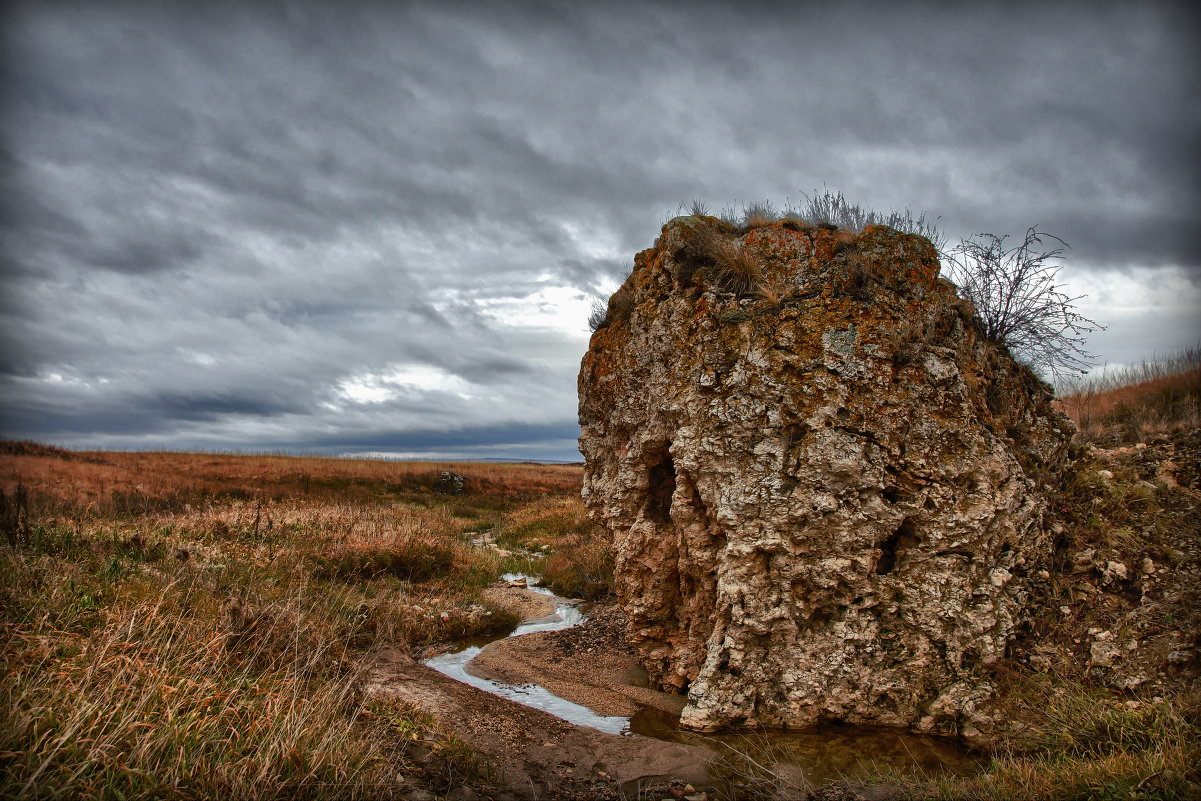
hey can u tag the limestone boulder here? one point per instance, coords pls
(823, 483)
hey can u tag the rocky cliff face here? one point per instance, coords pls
(822, 482)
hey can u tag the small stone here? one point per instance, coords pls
(449, 483)
(1104, 654)
(419, 795)
(1148, 566)
(1115, 571)
(1106, 475)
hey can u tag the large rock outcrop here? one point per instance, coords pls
(822, 481)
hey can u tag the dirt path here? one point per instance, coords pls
(537, 755)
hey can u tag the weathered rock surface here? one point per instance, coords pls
(824, 489)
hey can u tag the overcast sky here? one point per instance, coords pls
(376, 227)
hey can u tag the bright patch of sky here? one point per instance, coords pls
(1147, 313)
(398, 381)
(557, 308)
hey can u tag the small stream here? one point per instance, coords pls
(456, 664)
(823, 754)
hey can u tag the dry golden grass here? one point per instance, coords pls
(193, 625)
(105, 478)
(1154, 397)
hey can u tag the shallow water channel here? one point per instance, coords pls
(823, 754)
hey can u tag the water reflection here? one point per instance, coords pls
(827, 752)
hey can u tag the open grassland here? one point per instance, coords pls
(193, 625)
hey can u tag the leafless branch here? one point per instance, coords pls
(1019, 302)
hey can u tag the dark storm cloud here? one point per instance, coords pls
(354, 225)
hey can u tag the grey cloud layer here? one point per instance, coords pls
(217, 215)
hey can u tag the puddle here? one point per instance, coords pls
(826, 753)
(823, 754)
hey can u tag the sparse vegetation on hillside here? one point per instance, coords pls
(1101, 695)
(183, 626)
(1126, 405)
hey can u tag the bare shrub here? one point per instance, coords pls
(857, 276)
(912, 338)
(832, 208)
(1019, 302)
(617, 308)
(757, 215)
(598, 318)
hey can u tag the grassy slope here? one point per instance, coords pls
(1161, 396)
(192, 625)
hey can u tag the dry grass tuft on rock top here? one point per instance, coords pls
(192, 625)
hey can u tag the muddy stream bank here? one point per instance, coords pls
(571, 662)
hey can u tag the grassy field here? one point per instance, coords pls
(193, 625)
